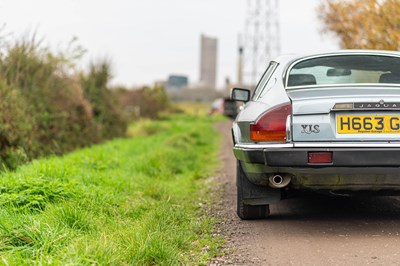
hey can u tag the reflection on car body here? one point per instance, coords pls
(325, 122)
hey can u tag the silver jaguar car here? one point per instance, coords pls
(326, 122)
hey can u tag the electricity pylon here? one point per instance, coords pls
(261, 40)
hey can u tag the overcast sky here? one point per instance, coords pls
(149, 39)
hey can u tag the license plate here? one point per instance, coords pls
(376, 124)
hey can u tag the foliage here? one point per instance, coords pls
(16, 127)
(44, 108)
(145, 102)
(127, 202)
(106, 109)
(363, 24)
(194, 108)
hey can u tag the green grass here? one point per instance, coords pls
(127, 202)
(194, 108)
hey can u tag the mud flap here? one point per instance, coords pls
(253, 194)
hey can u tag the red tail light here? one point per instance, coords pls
(271, 126)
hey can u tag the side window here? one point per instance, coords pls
(265, 78)
(271, 83)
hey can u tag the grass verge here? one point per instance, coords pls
(127, 202)
(194, 108)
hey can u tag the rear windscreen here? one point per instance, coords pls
(345, 69)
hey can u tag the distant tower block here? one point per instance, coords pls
(261, 38)
(208, 61)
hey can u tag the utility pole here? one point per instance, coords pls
(240, 65)
(261, 41)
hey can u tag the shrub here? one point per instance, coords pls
(16, 128)
(107, 111)
(145, 102)
(47, 108)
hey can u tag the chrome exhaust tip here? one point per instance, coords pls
(279, 181)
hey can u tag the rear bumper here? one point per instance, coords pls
(298, 157)
(352, 168)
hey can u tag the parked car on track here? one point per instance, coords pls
(326, 122)
(224, 106)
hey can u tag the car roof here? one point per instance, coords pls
(288, 58)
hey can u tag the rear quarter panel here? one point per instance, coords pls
(272, 95)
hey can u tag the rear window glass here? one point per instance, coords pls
(345, 70)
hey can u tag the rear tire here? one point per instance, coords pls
(245, 211)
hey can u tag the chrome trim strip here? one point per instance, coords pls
(380, 108)
(347, 145)
(308, 113)
(289, 128)
(262, 146)
(345, 85)
(316, 145)
(369, 109)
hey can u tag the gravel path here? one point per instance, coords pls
(307, 231)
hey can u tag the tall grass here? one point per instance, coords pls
(127, 202)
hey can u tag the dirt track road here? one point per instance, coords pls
(308, 231)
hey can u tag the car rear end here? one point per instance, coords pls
(349, 141)
(338, 132)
